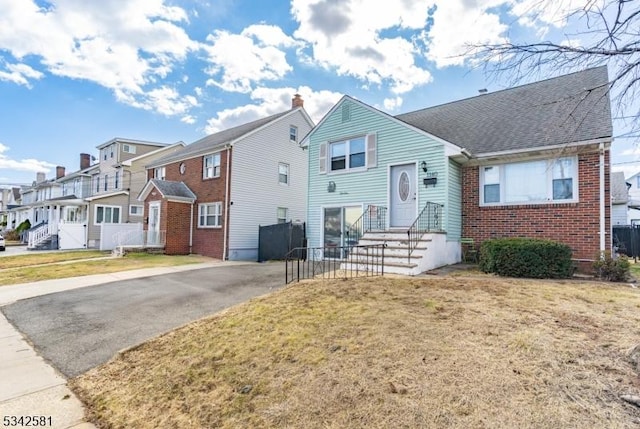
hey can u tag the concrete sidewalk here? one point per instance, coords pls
(31, 387)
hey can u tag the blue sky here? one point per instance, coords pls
(75, 74)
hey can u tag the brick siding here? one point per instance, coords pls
(576, 224)
(206, 241)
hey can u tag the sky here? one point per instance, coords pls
(75, 74)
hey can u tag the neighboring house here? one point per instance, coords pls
(633, 214)
(619, 199)
(119, 177)
(211, 197)
(530, 161)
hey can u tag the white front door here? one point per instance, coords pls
(153, 233)
(402, 198)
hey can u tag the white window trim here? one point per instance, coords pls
(159, 173)
(95, 214)
(347, 169)
(219, 165)
(295, 133)
(288, 174)
(549, 184)
(219, 215)
(286, 214)
(141, 211)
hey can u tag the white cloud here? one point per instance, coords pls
(164, 100)
(392, 103)
(122, 46)
(20, 74)
(240, 60)
(188, 119)
(28, 164)
(270, 101)
(351, 37)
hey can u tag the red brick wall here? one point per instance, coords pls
(206, 241)
(576, 224)
(176, 223)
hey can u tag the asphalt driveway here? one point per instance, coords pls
(79, 329)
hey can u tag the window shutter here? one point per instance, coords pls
(322, 158)
(371, 150)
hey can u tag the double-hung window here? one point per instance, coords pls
(106, 182)
(283, 173)
(281, 215)
(347, 154)
(529, 182)
(211, 166)
(159, 173)
(293, 133)
(210, 215)
(107, 214)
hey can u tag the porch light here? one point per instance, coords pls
(423, 165)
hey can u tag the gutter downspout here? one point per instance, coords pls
(602, 202)
(191, 230)
(227, 205)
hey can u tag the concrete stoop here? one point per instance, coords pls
(396, 254)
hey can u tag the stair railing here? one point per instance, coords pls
(429, 219)
(374, 218)
(38, 234)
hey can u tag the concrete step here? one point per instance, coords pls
(389, 268)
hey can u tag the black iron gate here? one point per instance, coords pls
(275, 241)
(626, 239)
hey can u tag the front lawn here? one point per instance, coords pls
(132, 261)
(454, 352)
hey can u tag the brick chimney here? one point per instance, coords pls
(297, 101)
(41, 177)
(59, 171)
(85, 161)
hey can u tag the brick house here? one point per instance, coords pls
(529, 161)
(211, 197)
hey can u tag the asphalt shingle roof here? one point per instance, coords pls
(619, 189)
(216, 140)
(569, 108)
(173, 189)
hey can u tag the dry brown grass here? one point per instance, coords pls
(435, 352)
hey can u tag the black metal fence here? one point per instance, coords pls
(429, 219)
(626, 239)
(374, 218)
(334, 262)
(276, 241)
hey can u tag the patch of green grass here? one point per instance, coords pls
(37, 258)
(132, 261)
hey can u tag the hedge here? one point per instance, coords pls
(526, 257)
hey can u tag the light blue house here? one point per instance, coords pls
(373, 177)
(528, 161)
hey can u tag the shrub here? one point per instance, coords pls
(12, 235)
(613, 270)
(24, 226)
(526, 257)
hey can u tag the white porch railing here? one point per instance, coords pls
(140, 238)
(39, 234)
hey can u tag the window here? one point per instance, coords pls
(638, 181)
(97, 183)
(210, 215)
(283, 173)
(529, 182)
(77, 188)
(347, 154)
(282, 215)
(65, 189)
(111, 151)
(127, 148)
(158, 173)
(104, 154)
(293, 133)
(107, 214)
(106, 182)
(136, 210)
(211, 167)
(116, 181)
